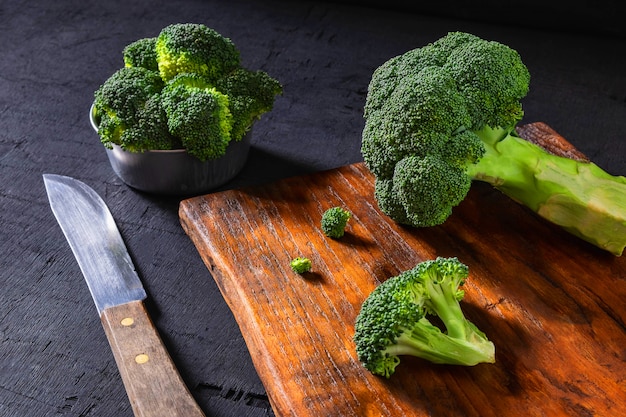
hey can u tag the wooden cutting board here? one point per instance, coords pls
(554, 306)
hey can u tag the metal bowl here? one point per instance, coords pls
(175, 172)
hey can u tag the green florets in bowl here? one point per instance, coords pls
(184, 89)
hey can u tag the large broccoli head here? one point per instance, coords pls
(441, 116)
(194, 48)
(423, 116)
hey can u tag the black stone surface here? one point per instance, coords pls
(54, 357)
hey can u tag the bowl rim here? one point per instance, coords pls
(94, 125)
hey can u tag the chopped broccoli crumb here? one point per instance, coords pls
(301, 265)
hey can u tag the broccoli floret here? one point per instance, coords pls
(250, 94)
(150, 130)
(444, 115)
(394, 320)
(198, 115)
(126, 104)
(334, 222)
(300, 265)
(194, 48)
(141, 53)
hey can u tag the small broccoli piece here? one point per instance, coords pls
(194, 48)
(394, 320)
(300, 265)
(250, 94)
(198, 115)
(444, 115)
(334, 221)
(141, 53)
(126, 107)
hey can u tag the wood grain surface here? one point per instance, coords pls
(552, 304)
(152, 382)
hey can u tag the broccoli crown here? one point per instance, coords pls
(251, 94)
(120, 101)
(198, 115)
(300, 265)
(141, 53)
(413, 183)
(194, 48)
(394, 320)
(423, 114)
(334, 222)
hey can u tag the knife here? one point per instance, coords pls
(153, 384)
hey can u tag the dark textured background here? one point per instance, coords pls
(54, 357)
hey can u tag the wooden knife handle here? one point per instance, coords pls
(152, 382)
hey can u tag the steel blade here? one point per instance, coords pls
(95, 241)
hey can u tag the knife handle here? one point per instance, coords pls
(152, 382)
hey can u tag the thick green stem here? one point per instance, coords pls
(428, 342)
(447, 308)
(578, 196)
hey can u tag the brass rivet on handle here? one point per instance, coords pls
(142, 358)
(128, 321)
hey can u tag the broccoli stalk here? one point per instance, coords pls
(428, 342)
(393, 320)
(444, 115)
(576, 195)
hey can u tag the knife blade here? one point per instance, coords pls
(151, 380)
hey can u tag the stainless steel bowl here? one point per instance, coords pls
(175, 172)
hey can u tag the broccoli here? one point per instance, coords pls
(443, 115)
(334, 221)
(300, 265)
(393, 320)
(198, 114)
(194, 48)
(126, 106)
(141, 53)
(149, 130)
(251, 94)
(184, 88)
